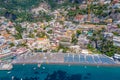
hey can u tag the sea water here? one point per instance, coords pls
(60, 72)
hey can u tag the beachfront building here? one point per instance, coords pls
(116, 57)
(75, 49)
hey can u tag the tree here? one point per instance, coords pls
(50, 32)
(31, 35)
(18, 36)
(12, 44)
(78, 32)
(65, 49)
(41, 35)
(97, 36)
(118, 25)
(74, 39)
(104, 45)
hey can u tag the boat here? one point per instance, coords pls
(43, 67)
(12, 77)
(39, 65)
(9, 72)
(23, 64)
(34, 68)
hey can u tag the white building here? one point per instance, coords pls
(116, 41)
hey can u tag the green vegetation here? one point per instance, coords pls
(24, 16)
(50, 32)
(22, 45)
(78, 32)
(72, 13)
(77, 11)
(38, 50)
(53, 51)
(61, 47)
(35, 30)
(116, 33)
(98, 9)
(31, 35)
(44, 16)
(55, 5)
(118, 25)
(41, 35)
(74, 39)
(94, 50)
(102, 44)
(19, 4)
(21, 10)
(18, 36)
(19, 30)
(12, 44)
(7, 31)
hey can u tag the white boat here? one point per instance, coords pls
(39, 65)
(9, 72)
(34, 68)
(43, 67)
(23, 64)
(12, 77)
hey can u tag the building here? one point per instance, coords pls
(116, 57)
(116, 41)
(75, 49)
(79, 18)
(42, 43)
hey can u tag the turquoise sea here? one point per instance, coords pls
(60, 72)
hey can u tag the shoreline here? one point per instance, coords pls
(69, 63)
(63, 63)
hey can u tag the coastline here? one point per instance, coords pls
(70, 63)
(11, 66)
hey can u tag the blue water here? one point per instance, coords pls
(61, 72)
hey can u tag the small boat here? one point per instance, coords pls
(23, 64)
(39, 65)
(34, 68)
(43, 67)
(9, 72)
(12, 77)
